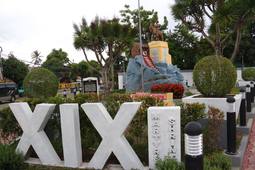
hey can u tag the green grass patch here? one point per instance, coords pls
(235, 90)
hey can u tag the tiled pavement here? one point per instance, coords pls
(249, 158)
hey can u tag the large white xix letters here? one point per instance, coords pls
(112, 133)
(33, 124)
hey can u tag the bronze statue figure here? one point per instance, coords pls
(154, 29)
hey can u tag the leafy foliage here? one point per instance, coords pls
(81, 69)
(147, 17)
(245, 55)
(40, 83)
(248, 74)
(56, 60)
(169, 163)
(8, 125)
(100, 35)
(14, 69)
(217, 161)
(183, 46)
(9, 159)
(214, 76)
(176, 89)
(227, 18)
(212, 131)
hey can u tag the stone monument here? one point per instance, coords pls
(157, 65)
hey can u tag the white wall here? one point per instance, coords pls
(188, 76)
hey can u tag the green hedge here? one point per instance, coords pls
(248, 74)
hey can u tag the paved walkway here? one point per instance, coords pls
(249, 158)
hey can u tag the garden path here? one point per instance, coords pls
(249, 158)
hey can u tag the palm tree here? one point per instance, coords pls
(36, 57)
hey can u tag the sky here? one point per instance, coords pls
(43, 25)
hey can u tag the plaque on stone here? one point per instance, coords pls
(90, 86)
(165, 55)
(154, 55)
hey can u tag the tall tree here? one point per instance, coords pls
(14, 69)
(103, 35)
(81, 69)
(246, 53)
(183, 44)
(95, 65)
(56, 61)
(36, 57)
(221, 13)
(147, 17)
(236, 13)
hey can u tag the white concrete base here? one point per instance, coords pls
(219, 103)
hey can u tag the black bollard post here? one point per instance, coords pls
(194, 146)
(248, 98)
(231, 127)
(74, 92)
(65, 93)
(242, 109)
(252, 91)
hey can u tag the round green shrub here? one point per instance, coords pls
(248, 74)
(9, 159)
(214, 76)
(40, 83)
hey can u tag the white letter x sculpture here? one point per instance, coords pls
(33, 125)
(112, 133)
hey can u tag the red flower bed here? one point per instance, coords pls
(176, 89)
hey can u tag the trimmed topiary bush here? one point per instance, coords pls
(214, 76)
(248, 74)
(40, 83)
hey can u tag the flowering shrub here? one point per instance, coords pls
(176, 89)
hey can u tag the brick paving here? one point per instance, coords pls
(249, 158)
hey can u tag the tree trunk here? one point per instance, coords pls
(238, 40)
(106, 83)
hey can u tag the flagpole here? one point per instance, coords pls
(140, 44)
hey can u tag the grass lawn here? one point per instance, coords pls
(235, 90)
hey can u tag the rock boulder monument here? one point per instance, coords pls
(157, 64)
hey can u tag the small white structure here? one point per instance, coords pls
(90, 85)
(219, 103)
(71, 138)
(164, 127)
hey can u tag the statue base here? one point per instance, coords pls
(159, 52)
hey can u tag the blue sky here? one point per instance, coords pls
(42, 25)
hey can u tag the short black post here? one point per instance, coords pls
(242, 109)
(74, 92)
(65, 93)
(194, 146)
(231, 127)
(248, 98)
(252, 91)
